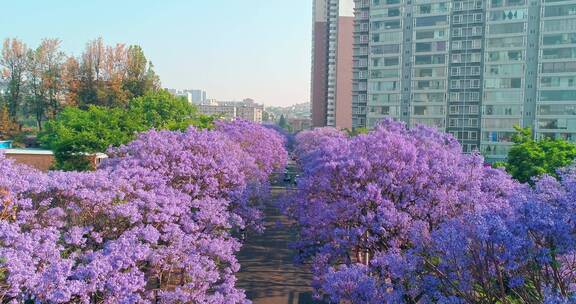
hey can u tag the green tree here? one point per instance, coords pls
(113, 75)
(8, 127)
(44, 80)
(283, 123)
(529, 158)
(357, 131)
(77, 132)
(140, 76)
(14, 61)
(91, 66)
(162, 110)
(265, 116)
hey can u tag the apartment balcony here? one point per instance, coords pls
(362, 15)
(362, 4)
(363, 28)
(362, 75)
(361, 52)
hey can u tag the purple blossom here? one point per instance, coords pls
(403, 216)
(153, 224)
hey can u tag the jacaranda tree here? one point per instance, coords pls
(402, 216)
(263, 144)
(153, 224)
(267, 148)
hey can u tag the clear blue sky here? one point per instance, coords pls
(231, 48)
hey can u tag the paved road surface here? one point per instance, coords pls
(268, 274)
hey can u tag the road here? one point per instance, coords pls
(267, 271)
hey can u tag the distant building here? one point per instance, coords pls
(198, 96)
(300, 124)
(246, 109)
(181, 93)
(36, 158)
(214, 108)
(249, 113)
(268, 116)
(332, 62)
(192, 95)
(300, 110)
(40, 159)
(250, 110)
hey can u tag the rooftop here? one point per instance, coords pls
(27, 151)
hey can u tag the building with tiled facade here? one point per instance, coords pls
(473, 68)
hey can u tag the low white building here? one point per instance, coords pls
(246, 109)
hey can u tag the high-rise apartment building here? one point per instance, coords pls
(556, 99)
(472, 68)
(332, 52)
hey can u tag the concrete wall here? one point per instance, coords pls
(319, 74)
(344, 72)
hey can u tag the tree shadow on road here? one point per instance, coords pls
(267, 272)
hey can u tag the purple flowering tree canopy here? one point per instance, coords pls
(402, 216)
(153, 224)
